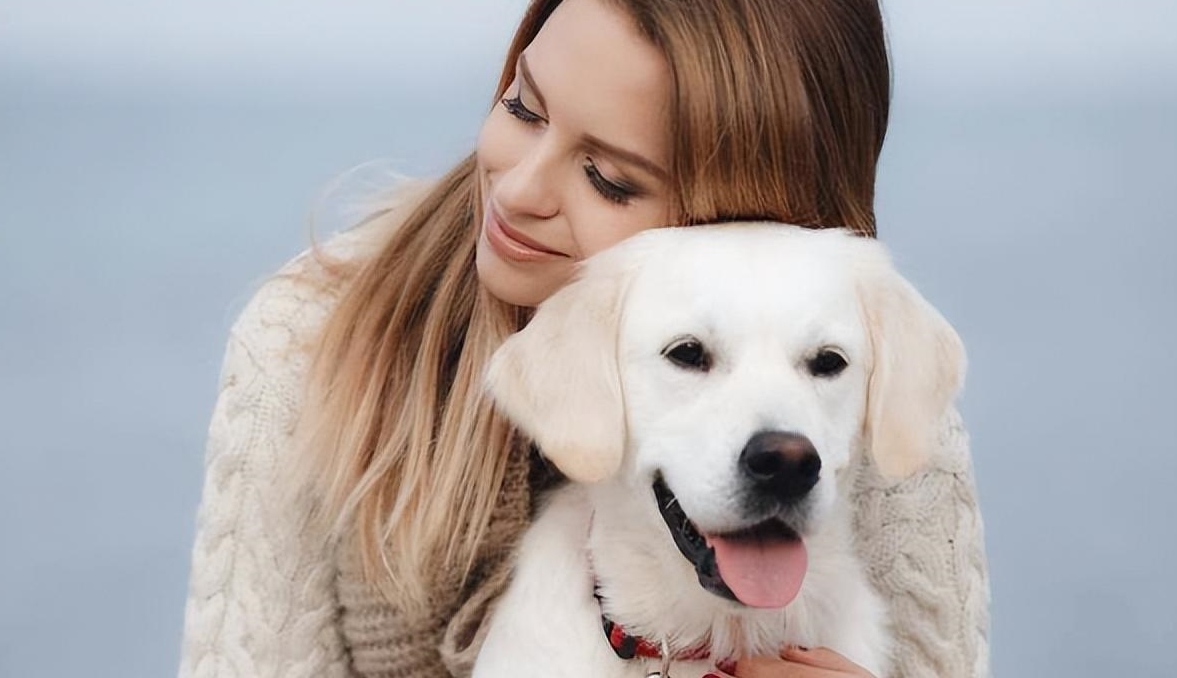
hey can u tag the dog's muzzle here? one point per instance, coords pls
(764, 563)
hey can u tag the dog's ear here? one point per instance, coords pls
(918, 369)
(557, 379)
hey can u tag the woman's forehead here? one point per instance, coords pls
(599, 76)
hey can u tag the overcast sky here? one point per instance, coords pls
(1010, 41)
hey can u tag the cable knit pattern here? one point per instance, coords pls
(265, 601)
(261, 598)
(923, 545)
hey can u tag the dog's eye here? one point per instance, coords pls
(827, 363)
(689, 354)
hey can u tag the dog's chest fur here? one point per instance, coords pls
(548, 623)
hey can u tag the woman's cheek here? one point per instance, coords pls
(605, 230)
(501, 142)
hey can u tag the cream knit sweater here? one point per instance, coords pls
(265, 601)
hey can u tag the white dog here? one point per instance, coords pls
(704, 387)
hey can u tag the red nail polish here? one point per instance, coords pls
(727, 666)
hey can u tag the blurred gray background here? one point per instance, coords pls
(157, 160)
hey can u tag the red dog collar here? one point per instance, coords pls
(628, 647)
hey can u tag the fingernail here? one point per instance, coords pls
(712, 675)
(727, 665)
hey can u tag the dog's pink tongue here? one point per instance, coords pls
(762, 573)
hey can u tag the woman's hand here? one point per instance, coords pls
(796, 662)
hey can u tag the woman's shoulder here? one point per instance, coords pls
(282, 318)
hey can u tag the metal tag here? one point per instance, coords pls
(665, 671)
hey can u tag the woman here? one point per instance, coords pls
(354, 376)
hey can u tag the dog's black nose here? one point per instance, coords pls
(782, 465)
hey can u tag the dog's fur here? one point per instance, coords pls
(589, 381)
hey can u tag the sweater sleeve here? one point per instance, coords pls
(923, 543)
(262, 599)
(263, 591)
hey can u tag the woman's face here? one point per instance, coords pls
(574, 158)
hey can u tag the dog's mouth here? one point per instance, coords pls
(761, 565)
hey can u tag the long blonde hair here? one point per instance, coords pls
(779, 109)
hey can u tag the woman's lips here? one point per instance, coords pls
(511, 244)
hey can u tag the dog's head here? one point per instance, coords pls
(734, 370)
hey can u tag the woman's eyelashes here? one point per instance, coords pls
(515, 107)
(619, 192)
(614, 191)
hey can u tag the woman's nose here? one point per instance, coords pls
(531, 186)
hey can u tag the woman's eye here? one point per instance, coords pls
(515, 107)
(689, 354)
(827, 363)
(613, 191)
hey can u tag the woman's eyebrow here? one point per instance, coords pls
(590, 140)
